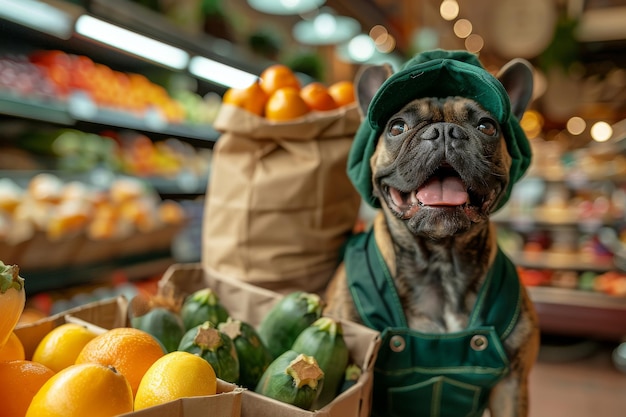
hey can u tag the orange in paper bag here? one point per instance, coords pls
(251, 98)
(278, 76)
(342, 92)
(317, 97)
(285, 104)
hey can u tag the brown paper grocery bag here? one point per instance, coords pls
(279, 204)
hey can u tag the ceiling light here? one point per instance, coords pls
(220, 73)
(601, 131)
(361, 48)
(39, 16)
(285, 7)
(132, 42)
(325, 29)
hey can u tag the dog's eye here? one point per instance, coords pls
(397, 127)
(488, 127)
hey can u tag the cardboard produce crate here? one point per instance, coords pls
(250, 303)
(101, 316)
(226, 403)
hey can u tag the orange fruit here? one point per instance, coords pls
(317, 97)
(20, 380)
(88, 389)
(251, 98)
(130, 351)
(12, 349)
(278, 76)
(61, 346)
(342, 92)
(285, 104)
(175, 375)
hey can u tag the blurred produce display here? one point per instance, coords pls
(61, 76)
(126, 152)
(55, 223)
(565, 225)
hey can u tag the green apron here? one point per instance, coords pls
(435, 375)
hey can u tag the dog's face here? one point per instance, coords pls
(441, 164)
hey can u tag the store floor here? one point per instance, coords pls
(577, 380)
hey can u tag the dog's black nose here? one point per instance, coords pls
(443, 131)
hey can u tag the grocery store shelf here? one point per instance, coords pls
(580, 313)
(65, 113)
(34, 109)
(182, 185)
(134, 267)
(539, 220)
(561, 261)
(149, 124)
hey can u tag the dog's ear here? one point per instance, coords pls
(517, 78)
(368, 80)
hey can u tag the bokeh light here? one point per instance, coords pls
(601, 131)
(576, 125)
(463, 28)
(449, 9)
(474, 43)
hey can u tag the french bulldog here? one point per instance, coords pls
(459, 332)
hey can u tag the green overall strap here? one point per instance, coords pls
(498, 303)
(371, 285)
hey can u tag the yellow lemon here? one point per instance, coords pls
(87, 389)
(60, 347)
(13, 349)
(175, 375)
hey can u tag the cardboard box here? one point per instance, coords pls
(226, 403)
(111, 313)
(99, 315)
(250, 303)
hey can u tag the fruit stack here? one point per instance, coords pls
(66, 366)
(278, 95)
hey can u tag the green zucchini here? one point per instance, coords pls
(292, 378)
(280, 327)
(206, 341)
(324, 340)
(254, 358)
(351, 376)
(203, 305)
(163, 324)
(158, 315)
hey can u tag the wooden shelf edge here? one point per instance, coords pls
(580, 313)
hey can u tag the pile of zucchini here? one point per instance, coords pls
(295, 355)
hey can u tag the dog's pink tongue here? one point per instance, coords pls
(449, 191)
